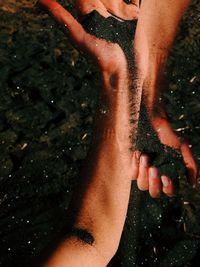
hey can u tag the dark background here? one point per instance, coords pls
(48, 94)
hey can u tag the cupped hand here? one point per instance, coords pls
(148, 177)
(169, 137)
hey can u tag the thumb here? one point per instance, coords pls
(190, 164)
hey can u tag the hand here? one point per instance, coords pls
(106, 8)
(168, 137)
(106, 56)
(148, 178)
(109, 57)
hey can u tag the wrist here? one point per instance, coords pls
(114, 84)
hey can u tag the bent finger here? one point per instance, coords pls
(168, 187)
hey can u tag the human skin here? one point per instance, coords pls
(146, 173)
(108, 7)
(152, 49)
(101, 212)
(159, 21)
(101, 202)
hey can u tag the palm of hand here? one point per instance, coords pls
(107, 55)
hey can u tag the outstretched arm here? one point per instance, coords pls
(100, 204)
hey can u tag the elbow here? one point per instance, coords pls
(107, 250)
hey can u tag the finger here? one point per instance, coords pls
(190, 164)
(168, 187)
(75, 30)
(135, 164)
(154, 182)
(142, 181)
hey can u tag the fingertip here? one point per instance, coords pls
(155, 193)
(156, 196)
(142, 184)
(168, 187)
(165, 180)
(155, 189)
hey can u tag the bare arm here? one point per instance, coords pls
(103, 195)
(159, 20)
(157, 27)
(100, 204)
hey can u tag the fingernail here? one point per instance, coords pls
(144, 161)
(153, 173)
(165, 181)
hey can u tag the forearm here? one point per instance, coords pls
(159, 21)
(99, 206)
(105, 200)
(100, 203)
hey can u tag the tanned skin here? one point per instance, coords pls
(158, 24)
(152, 51)
(104, 195)
(104, 199)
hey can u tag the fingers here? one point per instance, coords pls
(190, 164)
(148, 177)
(75, 30)
(86, 42)
(168, 187)
(120, 9)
